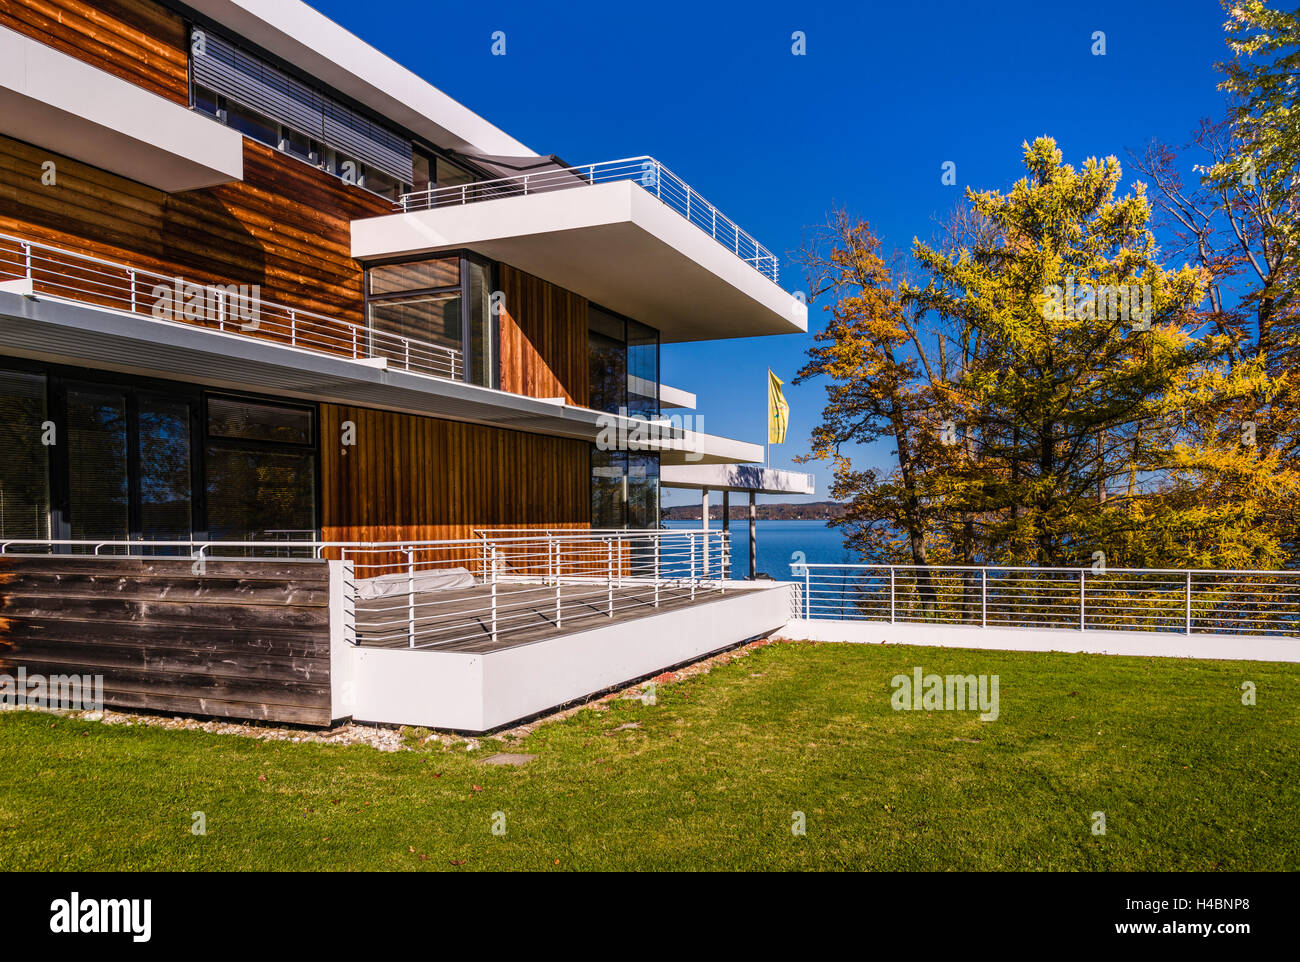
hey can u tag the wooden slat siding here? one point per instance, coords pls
(243, 640)
(412, 478)
(137, 40)
(543, 338)
(286, 227)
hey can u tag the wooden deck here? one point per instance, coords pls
(459, 619)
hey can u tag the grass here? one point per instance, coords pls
(1188, 778)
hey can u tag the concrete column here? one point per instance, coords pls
(753, 538)
(726, 523)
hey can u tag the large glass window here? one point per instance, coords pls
(25, 467)
(623, 363)
(416, 307)
(122, 459)
(98, 482)
(623, 358)
(166, 472)
(260, 463)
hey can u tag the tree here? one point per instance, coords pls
(1044, 385)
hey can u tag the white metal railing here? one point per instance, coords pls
(1114, 599)
(646, 171)
(67, 275)
(430, 594)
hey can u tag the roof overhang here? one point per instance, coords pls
(736, 477)
(62, 332)
(304, 37)
(613, 243)
(57, 102)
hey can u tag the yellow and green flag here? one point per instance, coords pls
(778, 410)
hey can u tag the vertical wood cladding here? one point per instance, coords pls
(426, 479)
(137, 40)
(286, 227)
(241, 640)
(543, 338)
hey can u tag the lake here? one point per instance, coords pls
(777, 543)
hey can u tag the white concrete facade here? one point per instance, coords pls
(67, 106)
(615, 244)
(481, 692)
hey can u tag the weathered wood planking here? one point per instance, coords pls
(242, 640)
(543, 339)
(426, 479)
(137, 40)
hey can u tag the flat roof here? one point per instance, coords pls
(306, 38)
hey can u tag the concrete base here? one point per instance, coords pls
(477, 692)
(1152, 643)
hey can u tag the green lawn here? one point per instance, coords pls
(1187, 776)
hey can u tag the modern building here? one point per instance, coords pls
(261, 284)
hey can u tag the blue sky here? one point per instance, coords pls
(885, 94)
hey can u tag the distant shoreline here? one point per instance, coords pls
(813, 511)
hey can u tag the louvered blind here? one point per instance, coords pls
(221, 66)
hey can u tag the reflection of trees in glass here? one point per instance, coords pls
(97, 472)
(24, 468)
(254, 493)
(165, 482)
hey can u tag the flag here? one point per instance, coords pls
(778, 411)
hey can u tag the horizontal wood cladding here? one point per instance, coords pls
(543, 339)
(137, 40)
(426, 479)
(241, 640)
(285, 228)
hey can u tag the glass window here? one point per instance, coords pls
(166, 481)
(423, 165)
(452, 175)
(255, 421)
(422, 318)
(256, 494)
(25, 467)
(252, 124)
(205, 100)
(642, 370)
(97, 464)
(607, 361)
(624, 489)
(414, 276)
(482, 331)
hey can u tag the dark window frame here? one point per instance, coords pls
(59, 377)
(462, 289)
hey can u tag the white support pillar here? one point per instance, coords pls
(704, 526)
(753, 538)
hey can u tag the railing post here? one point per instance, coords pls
(293, 328)
(494, 592)
(691, 536)
(807, 593)
(410, 596)
(27, 260)
(656, 570)
(984, 597)
(1083, 579)
(1189, 601)
(609, 577)
(558, 602)
(130, 273)
(891, 594)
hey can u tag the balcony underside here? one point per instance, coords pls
(71, 108)
(613, 243)
(84, 336)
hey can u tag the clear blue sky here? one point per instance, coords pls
(886, 93)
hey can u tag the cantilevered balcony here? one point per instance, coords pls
(40, 270)
(627, 234)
